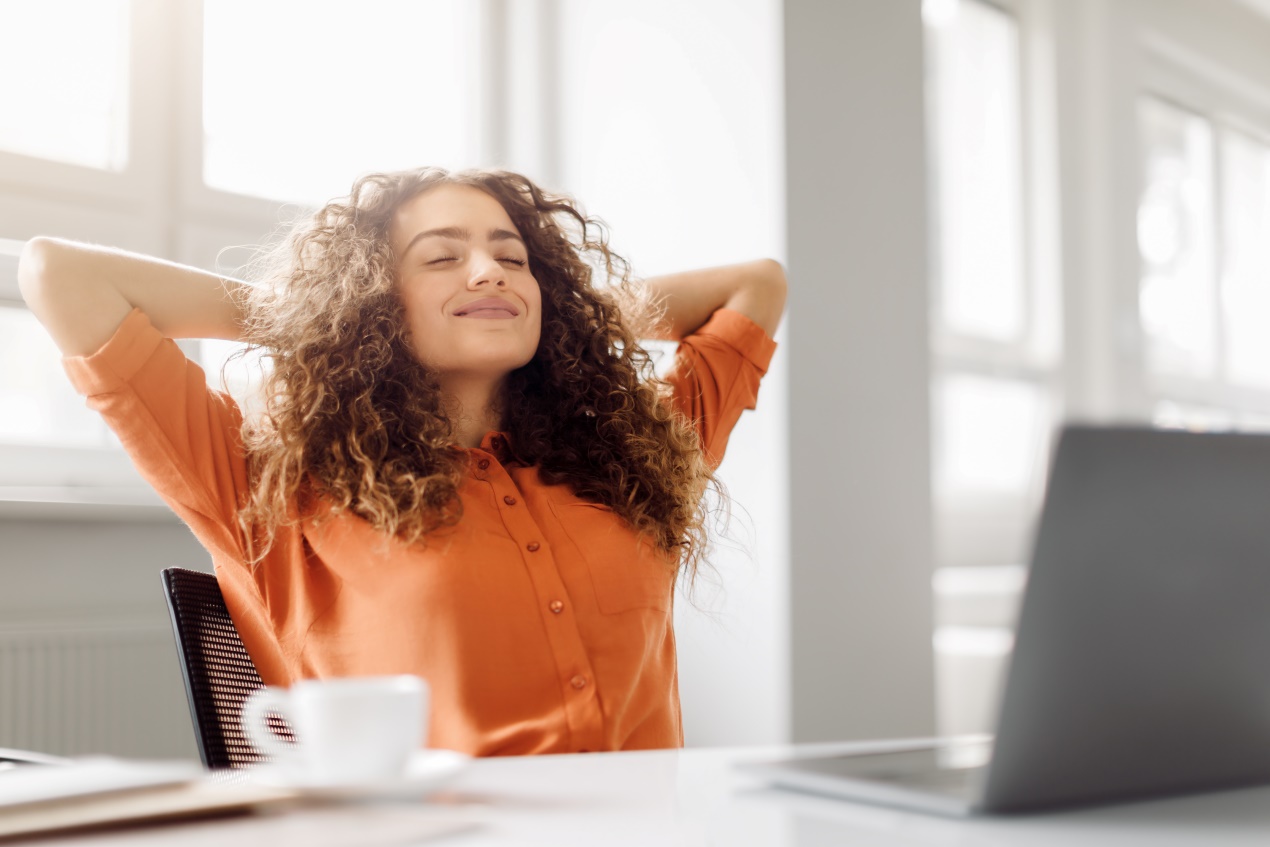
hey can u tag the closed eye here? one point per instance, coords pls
(518, 262)
(441, 259)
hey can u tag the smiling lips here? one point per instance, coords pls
(489, 308)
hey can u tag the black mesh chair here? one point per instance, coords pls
(218, 673)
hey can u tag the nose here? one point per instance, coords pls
(486, 271)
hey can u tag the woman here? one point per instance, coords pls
(462, 469)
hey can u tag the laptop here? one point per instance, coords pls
(1141, 664)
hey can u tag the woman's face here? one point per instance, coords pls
(473, 308)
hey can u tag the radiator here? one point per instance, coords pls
(110, 687)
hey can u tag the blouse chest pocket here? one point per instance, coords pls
(627, 572)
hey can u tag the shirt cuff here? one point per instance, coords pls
(741, 334)
(118, 360)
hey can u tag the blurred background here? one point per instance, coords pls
(996, 215)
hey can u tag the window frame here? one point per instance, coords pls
(1229, 102)
(981, 540)
(989, 529)
(139, 184)
(1095, 63)
(158, 204)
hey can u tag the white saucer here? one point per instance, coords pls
(426, 772)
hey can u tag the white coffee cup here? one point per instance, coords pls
(347, 730)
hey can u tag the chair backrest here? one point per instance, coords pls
(218, 673)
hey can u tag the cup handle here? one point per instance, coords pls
(255, 711)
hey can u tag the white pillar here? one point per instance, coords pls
(858, 370)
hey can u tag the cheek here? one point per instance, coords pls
(418, 307)
(423, 325)
(533, 296)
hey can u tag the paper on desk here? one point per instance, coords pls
(90, 794)
(338, 825)
(26, 784)
(139, 805)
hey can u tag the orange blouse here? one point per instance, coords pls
(541, 621)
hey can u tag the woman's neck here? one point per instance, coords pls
(474, 409)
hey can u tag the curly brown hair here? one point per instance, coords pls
(353, 421)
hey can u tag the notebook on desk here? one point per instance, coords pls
(64, 794)
(1141, 664)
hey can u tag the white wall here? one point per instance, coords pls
(670, 130)
(67, 575)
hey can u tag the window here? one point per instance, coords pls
(1175, 239)
(1177, 187)
(186, 191)
(1204, 289)
(995, 327)
(71, 57)
(982, 291)
(988, 431)
(300, 98)
(49, 441)
(37, 403)
(287, 117)
(1245, 278)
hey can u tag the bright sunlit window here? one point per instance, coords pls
(1204, 296)
(65, 69)
(979, 206)
(995, 350)
(301, 97)
(37, 404)
(988, 433)
(1175, 239)
(1245, 284)
(991, 399)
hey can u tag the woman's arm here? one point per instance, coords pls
(755, 289)
(81, 293)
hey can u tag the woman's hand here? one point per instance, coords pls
(755, 289)
(81, 293)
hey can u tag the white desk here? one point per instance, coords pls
(694, 798)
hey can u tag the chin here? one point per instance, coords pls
(482, 356)
(502, 361)
(482, 363)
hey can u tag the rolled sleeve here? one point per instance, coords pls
(118, 360)
(183, 437)
(716, 376)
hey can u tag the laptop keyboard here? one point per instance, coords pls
(953, 782)
(913, 771)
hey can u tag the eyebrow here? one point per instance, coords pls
(462, 234)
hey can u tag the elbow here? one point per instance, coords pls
(776, 288)
(774, 277)
(34, 264)
(763, 298)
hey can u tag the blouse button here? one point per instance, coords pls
(578, 681)
(532, 547)
(509, 500)
(483, 464)
(557, 606)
